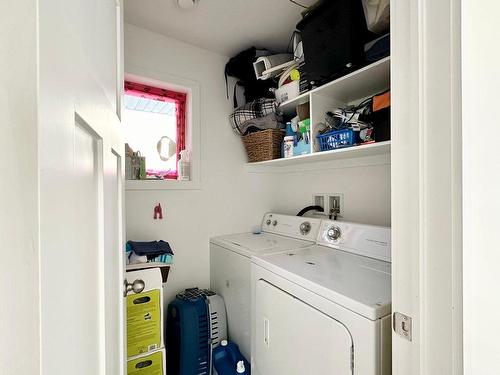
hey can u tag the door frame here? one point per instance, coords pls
(426, 184)
(481, 184)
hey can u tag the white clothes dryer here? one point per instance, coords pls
(326, 308)
(230, 265)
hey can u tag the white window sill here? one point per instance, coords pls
(161, 185)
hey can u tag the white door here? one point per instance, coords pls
(303, 342)
(80, 164)
(426, 186)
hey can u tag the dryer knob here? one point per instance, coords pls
(275, 222)
(334, 233)
(268, 221)
(305, 228)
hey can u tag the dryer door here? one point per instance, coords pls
(294, 338)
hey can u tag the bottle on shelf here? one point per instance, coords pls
(184, 166)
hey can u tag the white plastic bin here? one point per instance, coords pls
(287, 92)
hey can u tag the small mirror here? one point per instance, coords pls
(166, 148)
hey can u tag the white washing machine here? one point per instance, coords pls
(230, 265)
(326, 308)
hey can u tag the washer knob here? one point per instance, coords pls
(275, 222)
(268, 221)
(334, 233)
(305, 228)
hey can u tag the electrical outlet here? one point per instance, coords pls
(319, 200)
(332, 203)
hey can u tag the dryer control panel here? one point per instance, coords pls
(305, 228)
(367, 240)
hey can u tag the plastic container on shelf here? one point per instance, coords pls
(184, 166)
(336, 139)
(288, 145)
(302, 145)
(301, 148)
(287, 92)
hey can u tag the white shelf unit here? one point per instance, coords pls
(349, 89)
(370, 149)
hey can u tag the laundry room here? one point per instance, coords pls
(266, 187)
(196, 46)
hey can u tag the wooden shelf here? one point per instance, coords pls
(371, 149)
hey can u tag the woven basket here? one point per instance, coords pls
(263, 145)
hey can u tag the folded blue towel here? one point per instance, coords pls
(151, 249)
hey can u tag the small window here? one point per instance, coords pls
(155, 130)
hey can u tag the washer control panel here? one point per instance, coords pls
(292, 226)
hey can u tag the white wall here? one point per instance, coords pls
(232, 198)
(19, 310)
(365, 189)
(227, 191)
(481, 186)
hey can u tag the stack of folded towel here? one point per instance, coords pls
(153, 251)
(261, 114)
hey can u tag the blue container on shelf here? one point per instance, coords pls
(301, 148)
(336, 139)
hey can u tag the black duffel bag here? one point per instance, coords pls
(241, 67)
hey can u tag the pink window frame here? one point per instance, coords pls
(164, 95)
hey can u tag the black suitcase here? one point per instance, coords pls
(334, 34)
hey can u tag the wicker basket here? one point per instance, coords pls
(263, 145)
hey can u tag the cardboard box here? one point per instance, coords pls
(148, 364)
(145, 313)
(303, 111)
(164, 268)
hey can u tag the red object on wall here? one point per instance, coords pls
(158, 212)
(165, 95)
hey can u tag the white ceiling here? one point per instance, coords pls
(222, 26)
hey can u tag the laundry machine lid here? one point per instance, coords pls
(249, 244)
(358, 283)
